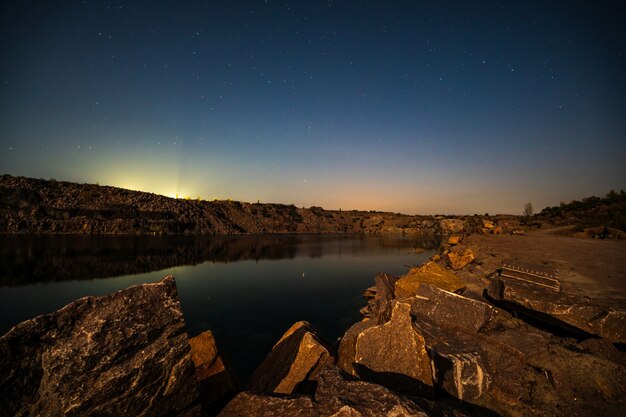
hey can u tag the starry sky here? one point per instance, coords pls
(405, 106)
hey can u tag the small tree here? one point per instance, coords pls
(528, 212)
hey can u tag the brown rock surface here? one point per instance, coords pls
(295, 359)
(214, 379)
(392, 353)
(122, 354)
(454, 240)
(559, 309)
(335, 396)
(447, 309)
(460, 259)
(451, 226)
(431, 273)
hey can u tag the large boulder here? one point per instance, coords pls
(575, 314)
(430, 273)
(392, 354)
(216, 382)
(293, 363)
(122, 354)
(335, 396)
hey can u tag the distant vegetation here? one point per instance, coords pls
(609, 211)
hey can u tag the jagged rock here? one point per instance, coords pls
(392, 353)
(369, 293)
(447, 309)
(383, 294)
(335, 396)
(451, 226)
(458, 260)
(468, 365)
(431, 273)
(575, 314)
(122, 354)
(454, 240)
(214, 379)
(294, 360)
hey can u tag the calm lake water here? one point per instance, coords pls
(247, 289)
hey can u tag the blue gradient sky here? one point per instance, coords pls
(454, 107)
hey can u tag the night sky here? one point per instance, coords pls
(414, 107)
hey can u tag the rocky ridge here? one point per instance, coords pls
(37, 206)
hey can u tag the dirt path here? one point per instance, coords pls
(587, 267)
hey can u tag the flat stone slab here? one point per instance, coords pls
(575, 314)
(451, 310)
(124, 354)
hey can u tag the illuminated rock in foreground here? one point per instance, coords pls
(122, 354)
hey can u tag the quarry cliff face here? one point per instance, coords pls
(37, 206)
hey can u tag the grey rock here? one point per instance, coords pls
(448, 309)
(122, 354)
(576, 314)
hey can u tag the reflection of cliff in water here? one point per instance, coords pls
(32, 259)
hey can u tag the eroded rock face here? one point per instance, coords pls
(392, 354)
(214, 379)
(122, 354)
(295, 360)
(559, 309)
(431, 273)
(335, 396)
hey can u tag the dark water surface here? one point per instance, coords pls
(247, 289)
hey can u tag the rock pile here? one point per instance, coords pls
(429, 344)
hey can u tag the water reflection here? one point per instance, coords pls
(247, 289)
(35, 259)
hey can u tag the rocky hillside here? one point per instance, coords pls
(590, 212)
(29, 205)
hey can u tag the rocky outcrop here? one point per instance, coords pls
(431, 273)
(122, 354)
(215, 381)
(574, 314)
(334, 396)
(392, 353)
(29, 205)
(293, 363)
